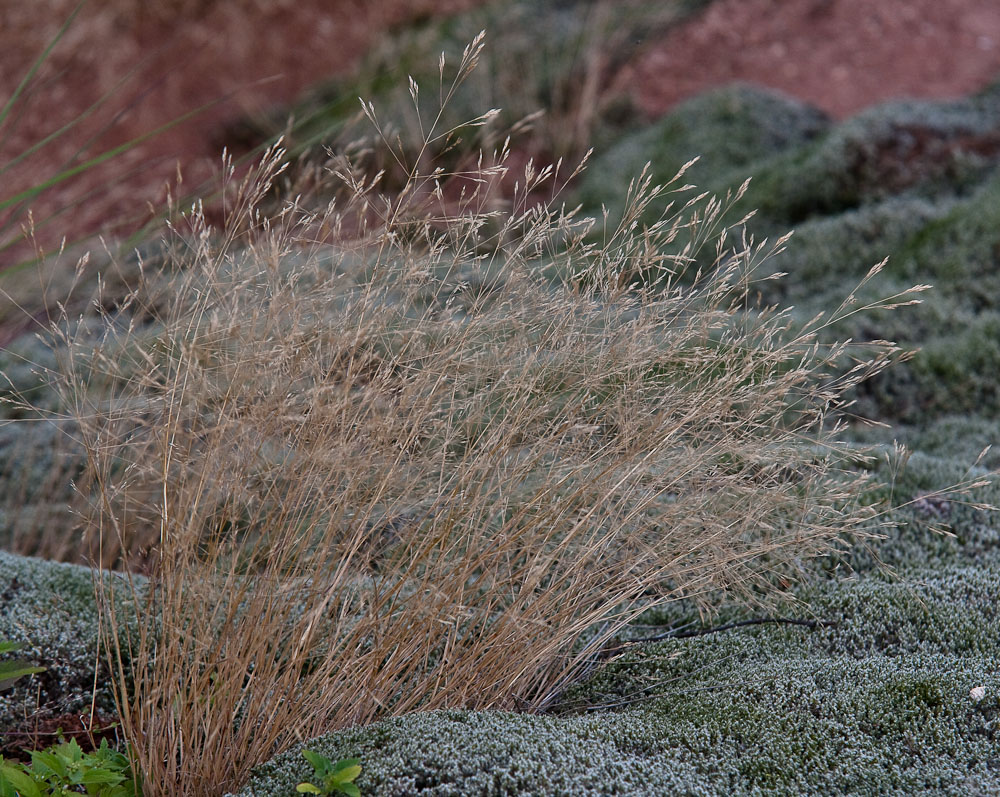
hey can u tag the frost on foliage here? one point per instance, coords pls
(51, 609)
(486, 753)
(898, 697)
(879, 703)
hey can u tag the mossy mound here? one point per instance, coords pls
(802, 167)
(729, 130)
(909, 148)
(876, 697)
(747, 711)
(487, 753)
(917, 182)
(951, 243)
(51, 609)
(958, 437)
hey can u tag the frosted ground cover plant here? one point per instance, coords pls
(803, 165)
(898, 694)
(52, 610)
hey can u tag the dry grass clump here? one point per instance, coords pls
(423, 451)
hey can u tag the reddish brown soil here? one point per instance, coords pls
(239, 57)
(247, 55)
(840, 55)
(39, 733)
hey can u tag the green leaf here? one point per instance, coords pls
(101, 776)
(46, 762)
(71, 754)
(11, 671)
(62, 769)
(336, 777)
(348, 763)
(71, 750)
(346, 774)
(20, 781)
(320, 763)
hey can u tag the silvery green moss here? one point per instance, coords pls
(730, 130)
(51, 608)
(878, 703)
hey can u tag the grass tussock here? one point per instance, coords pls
(429, 450)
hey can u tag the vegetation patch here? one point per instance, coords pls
(499, 497)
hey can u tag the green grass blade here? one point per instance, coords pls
(57, 134)
(30, 193)
(5, 111)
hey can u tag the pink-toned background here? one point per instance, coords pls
(248, 55)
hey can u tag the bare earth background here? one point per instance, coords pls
(243, 57)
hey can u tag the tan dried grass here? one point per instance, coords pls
(408, 452)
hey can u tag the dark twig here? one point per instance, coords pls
(680, 633)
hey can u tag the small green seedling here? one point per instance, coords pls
(11, 671)
(334, 778)
(64, 769)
